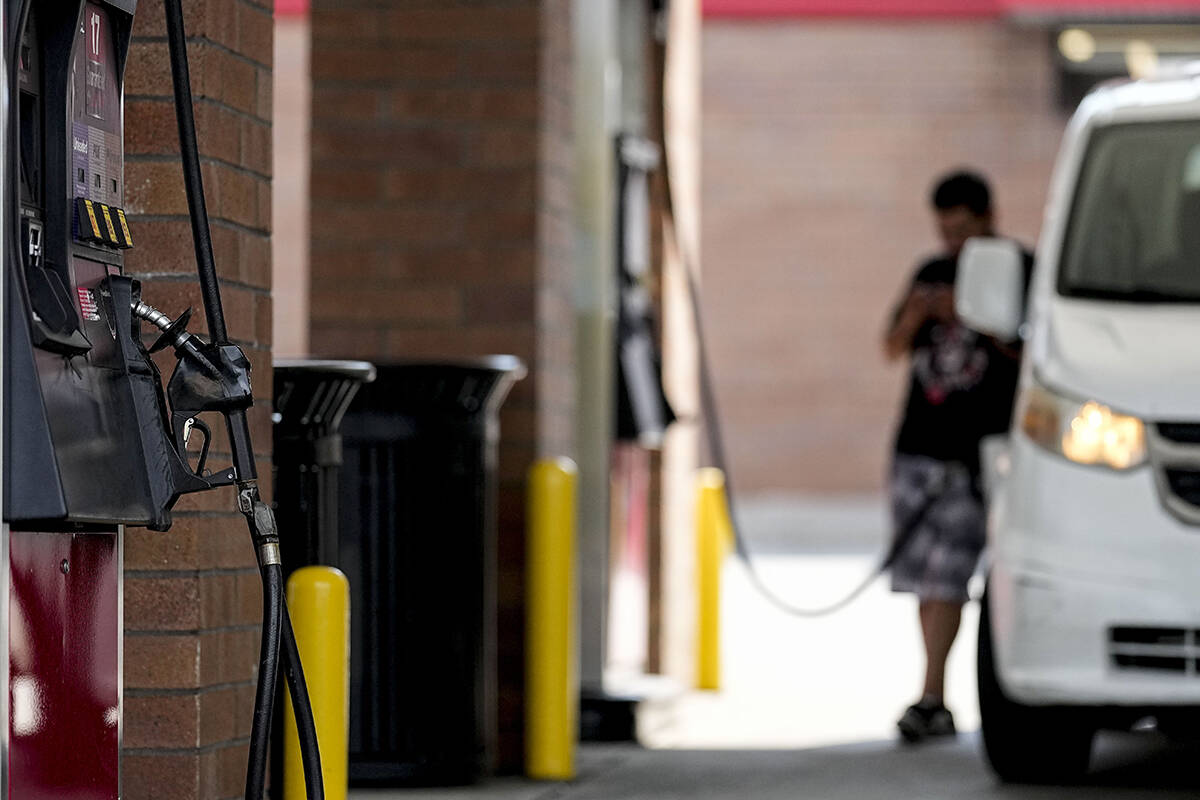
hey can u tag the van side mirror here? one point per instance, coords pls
(989, 289)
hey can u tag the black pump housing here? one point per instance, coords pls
(87, 435)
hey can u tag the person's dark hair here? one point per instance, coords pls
(963, 188)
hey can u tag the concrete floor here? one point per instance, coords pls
(1129, 768)
(808, 706)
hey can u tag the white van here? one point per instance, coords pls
(1091, 616)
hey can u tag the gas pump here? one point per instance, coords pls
(92, 441)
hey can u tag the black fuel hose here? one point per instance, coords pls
(708, 394)
(192, 179)
(276, 621)
(306, 726)
(268, 669)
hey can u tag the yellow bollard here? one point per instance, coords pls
(551, 663)
(714, 533)
(319, 599)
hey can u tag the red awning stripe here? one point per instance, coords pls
(291, 8)
(943, 8)
(849, 8)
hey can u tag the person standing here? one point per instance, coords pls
(961, 389)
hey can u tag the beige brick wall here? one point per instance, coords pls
(821, 140)
(192, 595)
(290, 206)
(682, 451)
(555, 308)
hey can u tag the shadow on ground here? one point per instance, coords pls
(1125, 767)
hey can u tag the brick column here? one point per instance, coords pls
(192, 596)
(440, 221)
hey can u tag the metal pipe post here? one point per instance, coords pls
(551, 614)
(713, 529)
(319, 601)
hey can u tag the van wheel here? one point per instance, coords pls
(1027, 744)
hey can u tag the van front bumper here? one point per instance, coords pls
(1094, 588)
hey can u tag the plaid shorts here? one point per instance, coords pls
(940, 553)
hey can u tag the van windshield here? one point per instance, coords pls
(1134, 233)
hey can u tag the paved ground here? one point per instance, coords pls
(808, 707)
(1130, 770)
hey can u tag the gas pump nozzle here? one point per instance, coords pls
(209, 377)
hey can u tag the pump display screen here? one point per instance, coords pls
(94, 32)
(96, 149)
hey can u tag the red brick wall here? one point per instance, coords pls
(821, 141)
(192, 597)
(440, 222)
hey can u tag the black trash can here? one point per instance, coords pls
(418, 543)
(311, 397)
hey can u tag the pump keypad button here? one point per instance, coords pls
(124, 226)
(87, 222)
(109, 228)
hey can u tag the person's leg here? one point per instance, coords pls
(939, 625)
(918, 498)
(954, 527)
(929, 716)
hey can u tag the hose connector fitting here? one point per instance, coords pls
(174, 332)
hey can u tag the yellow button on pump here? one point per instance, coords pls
(109, 228)
(88, 223)
(124, 228)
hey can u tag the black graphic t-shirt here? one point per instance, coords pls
(963, 383)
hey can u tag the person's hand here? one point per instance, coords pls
(924, 302)
(940, 303)
(916, 306)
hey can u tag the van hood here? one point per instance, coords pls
(1139, 358)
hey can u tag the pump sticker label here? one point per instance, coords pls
(87, 304)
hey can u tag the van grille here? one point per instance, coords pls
(1175, 454)
(1185, 484)
(1158, 649)
(1182, 432)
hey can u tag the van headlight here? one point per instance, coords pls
(1085, 432)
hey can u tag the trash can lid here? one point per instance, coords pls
(513, 366)
(362, 371)
(461, 388)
